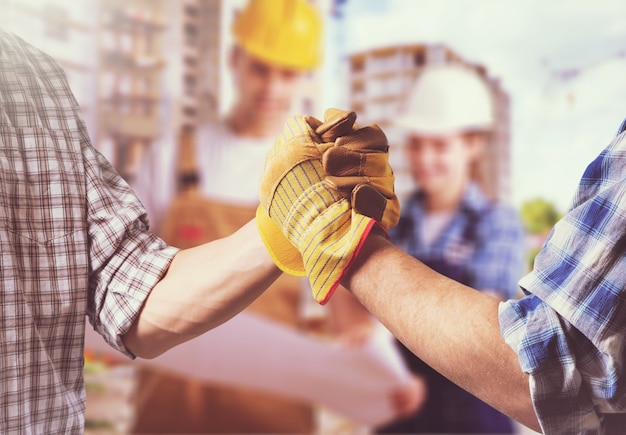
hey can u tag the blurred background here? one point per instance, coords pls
(144, 71)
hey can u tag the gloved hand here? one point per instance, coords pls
(358, 167)
(309, 227)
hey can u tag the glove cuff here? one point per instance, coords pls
(331, 256)
(284, 254)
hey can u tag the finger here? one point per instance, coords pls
(336, 123)
(369, 139)
(391, 215)
(342, 161)
(384, 185)
(313, 122)
(332, 113)
(344, 184)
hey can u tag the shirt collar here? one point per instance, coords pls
(473, 200)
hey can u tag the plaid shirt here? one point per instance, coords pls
(480, 246)
(73, 242)
(570, 330)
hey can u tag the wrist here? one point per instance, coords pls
(374, 246)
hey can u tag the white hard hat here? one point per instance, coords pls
(447, 99)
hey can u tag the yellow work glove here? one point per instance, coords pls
(308, 226)
(358, 167)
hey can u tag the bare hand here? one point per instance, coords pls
(409, 398)
(357, 335)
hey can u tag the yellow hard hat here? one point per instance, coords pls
(286, 33)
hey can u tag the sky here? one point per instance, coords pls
(562, 62)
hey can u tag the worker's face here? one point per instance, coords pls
(439, 163)
(265, 91)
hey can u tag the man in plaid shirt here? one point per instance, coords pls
(74, 242)
(570, 329)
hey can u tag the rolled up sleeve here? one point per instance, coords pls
(126, 260)
(570, 330)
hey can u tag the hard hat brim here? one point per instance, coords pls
(285, 255)
(409, 125)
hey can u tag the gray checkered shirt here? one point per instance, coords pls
(73, 242)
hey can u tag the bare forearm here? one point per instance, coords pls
(453, 328)
(204, 287)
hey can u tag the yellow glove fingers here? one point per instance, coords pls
(384, 185)
(313, 122)
(336, 123)
(368, 139)
(345, 185)
(341, 161)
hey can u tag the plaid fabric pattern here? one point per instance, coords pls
(73, 242)
(570, 331)
(483, 242)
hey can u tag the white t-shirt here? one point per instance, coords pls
(229, 167)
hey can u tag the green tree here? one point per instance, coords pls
(539, 215)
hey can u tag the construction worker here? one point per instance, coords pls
(277, 42)
(451, 225)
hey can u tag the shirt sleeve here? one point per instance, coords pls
(126, 260)
(570, 329)
(498, 262)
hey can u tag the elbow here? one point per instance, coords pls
(144, 353)
(142, 347)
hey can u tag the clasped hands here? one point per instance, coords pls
(324, 186)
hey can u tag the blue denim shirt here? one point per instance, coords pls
(570, 329)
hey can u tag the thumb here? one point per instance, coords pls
(368, 201)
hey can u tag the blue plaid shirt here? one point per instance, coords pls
(570, 329)
(480, 246)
